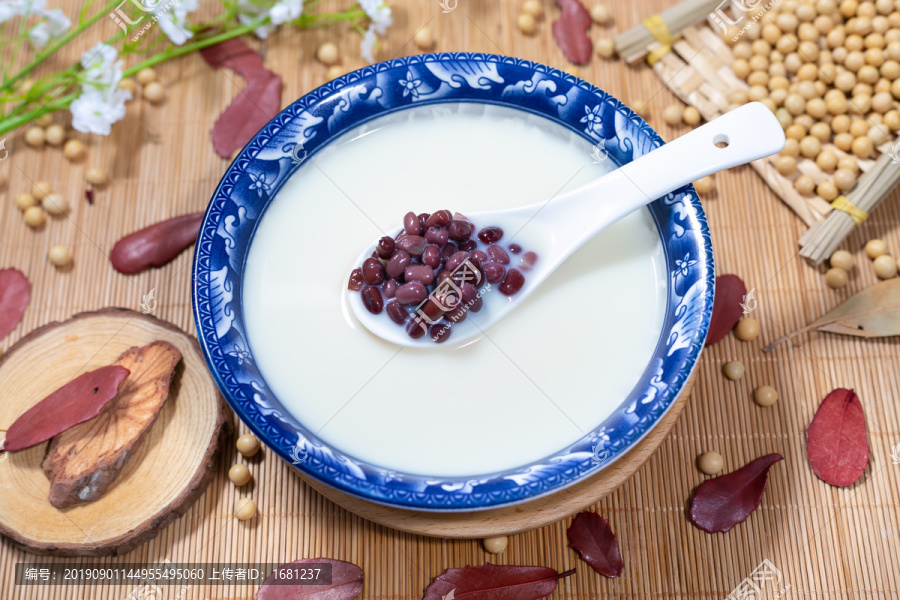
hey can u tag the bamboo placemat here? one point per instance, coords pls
(826, 542)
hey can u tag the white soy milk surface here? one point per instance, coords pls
(542, 377)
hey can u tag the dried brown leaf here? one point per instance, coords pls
(872, 313)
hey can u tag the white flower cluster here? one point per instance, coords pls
(172, 19)
(283, 11)
(379, 14)
(102, 101)
(53, 23)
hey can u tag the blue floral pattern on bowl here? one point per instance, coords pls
(310, 123)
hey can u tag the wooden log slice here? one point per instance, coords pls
(161, 480)
(508, 520)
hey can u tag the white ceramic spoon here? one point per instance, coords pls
(564, 223)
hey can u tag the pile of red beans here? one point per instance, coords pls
(435, 270)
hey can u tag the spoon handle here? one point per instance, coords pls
(737, 137)
(740, 136)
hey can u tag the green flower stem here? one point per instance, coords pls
(59, 44)
(187, 48)
(59, 82)
(13, 123)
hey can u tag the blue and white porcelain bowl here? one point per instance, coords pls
(311, 123)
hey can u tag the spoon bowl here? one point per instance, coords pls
(560, 225)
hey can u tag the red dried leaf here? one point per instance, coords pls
(236, 55)
(346, 583)
(592, 537)
(836, 441)
(251, 109)
(727, 309)
(76, 402)
(722, 502)
(570, 31)
(155, 245)
(15, 294)
(495, 582)
(254, 106)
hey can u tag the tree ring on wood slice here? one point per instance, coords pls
(168, 471)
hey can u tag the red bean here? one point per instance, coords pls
(494, 272)
(372, 271)
(396, 312)
(490, 235)
(416, 330)
(455, 260)
(471, 272)
(515, 248)
(442, 275)
(448, 250)
(498, 255)
(423, 217)
(439, 333)
(398, 263)
(414, 244)
(372, 299)
(470, 295)
(477, 304)
(528, 260)
(481, 256)
(512, 283)
(432, 256)
(411, 293)
(385, 247)
(411, 224)
(460, 231)
(458, 315)
(436, 235)
(356, 280)
(440, 219)
(389, 287)
(422, 273)
(468, 246)
(438, 304)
